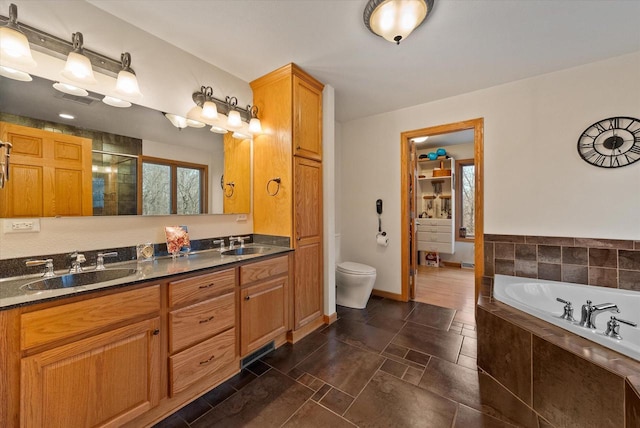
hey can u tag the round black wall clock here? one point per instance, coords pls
(611, 143)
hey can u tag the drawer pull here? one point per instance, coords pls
(247, 297)
(206, 286)
(207, 361)
(156, 332)
(207, 320)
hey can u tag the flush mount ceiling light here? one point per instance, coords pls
(15, 52)
(78, 67)
(127, 83)
(66, 116)
(394, 20)
(420, 139)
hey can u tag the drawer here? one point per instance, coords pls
(439, 247)
(202, 360)
(444, 229)
(196, 322)
(434, 237)
(434, 221)
(61, 322)
(264, 269)
(201, 287)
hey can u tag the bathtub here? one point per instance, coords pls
(538, 298)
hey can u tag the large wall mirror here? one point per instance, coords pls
(139, 162)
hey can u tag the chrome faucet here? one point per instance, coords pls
(48, 266)
(232, 242)
(100, 259)
(219, 241)
(76, 261)
(590, 312)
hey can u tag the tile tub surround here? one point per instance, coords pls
(567, 380)
(392, 364)
(603, 262)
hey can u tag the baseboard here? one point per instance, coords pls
(387, 295)
(330, 319)
(451, 264)
(295, 335)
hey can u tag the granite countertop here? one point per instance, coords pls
(13, 291)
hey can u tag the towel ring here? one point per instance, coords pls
(231, 185)
(274, 180)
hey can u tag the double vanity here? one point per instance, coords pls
(132, 350)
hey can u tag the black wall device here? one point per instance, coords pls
(379, 206)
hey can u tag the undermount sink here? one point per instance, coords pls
(78, 279)
(245, 251)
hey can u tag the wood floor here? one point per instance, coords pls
(449, 288)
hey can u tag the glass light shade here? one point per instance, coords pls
(14, 49)
(78, 69)
(218, 130)
(210, 110)
(394, 20)
(127, 84)
(116, 102)
(15, 74)
(177, 121)
(195, 123)
(234, 120)
(241, 135)
(255, 127)
(70, 89)
(195, 113)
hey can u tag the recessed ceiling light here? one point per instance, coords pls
(116, 102)
(420, 139)
(66, 116)
(70, 89)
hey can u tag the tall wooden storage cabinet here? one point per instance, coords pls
(290, 151)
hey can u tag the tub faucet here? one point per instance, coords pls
(590, 312)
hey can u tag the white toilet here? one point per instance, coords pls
(354, 282)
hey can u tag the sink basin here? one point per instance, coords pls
(78, 279)
(246, 251)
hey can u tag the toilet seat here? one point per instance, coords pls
(353, 268)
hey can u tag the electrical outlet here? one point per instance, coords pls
(241, 217)
(22, 225)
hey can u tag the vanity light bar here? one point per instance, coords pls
(60, 48)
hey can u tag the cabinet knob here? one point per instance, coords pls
(156, 332)
(247, 297)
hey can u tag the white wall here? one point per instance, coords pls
(329, 199)
(535, 181)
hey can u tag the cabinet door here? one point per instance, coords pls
(307, 292)
(263, 313)
(105, 380)
(307, 119)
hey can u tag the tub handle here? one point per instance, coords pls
(568, 310)
(613, 327)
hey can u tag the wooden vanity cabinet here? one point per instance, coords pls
(93, 362)
(264, 298)
(202, 329)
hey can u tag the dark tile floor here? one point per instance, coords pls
(391, 364)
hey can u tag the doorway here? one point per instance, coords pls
(410, 203)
